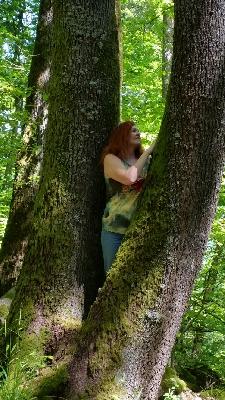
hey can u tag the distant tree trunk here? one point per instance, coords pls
(17, 28)
(29, 158)
(63, 265)
(167, 48)
(126, 340)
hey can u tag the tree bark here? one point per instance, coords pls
(63, 264)
(29, 158)
(125, 343)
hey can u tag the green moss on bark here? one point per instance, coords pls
(171, 380)
(51, 382)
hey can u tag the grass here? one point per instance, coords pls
(16, 372)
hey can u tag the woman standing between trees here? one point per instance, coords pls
(125, 164)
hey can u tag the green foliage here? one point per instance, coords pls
(142, 24)
(170, 395)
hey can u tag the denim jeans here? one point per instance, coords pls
(110, 242)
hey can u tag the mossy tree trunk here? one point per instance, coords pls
(29, 158)
(125, 343)
(63, 265)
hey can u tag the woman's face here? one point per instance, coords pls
(135, 137)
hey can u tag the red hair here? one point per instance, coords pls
(118, 142)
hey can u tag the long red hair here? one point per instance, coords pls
(118, 142)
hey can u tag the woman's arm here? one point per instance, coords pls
(114, 168)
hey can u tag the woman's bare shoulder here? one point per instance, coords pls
(111, 158)
(115, 168)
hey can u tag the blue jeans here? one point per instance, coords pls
(110, 243)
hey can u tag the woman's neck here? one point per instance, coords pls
(130, 154)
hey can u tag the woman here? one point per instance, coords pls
(125, 164)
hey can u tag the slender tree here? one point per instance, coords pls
(16, 28)
(167, 46)
(29, 158)
(126, 340)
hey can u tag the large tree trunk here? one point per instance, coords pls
(29, 158)
(125, 343)
(63, 265)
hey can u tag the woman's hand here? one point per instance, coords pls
(149, 150)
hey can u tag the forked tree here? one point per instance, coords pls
(122, 347)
